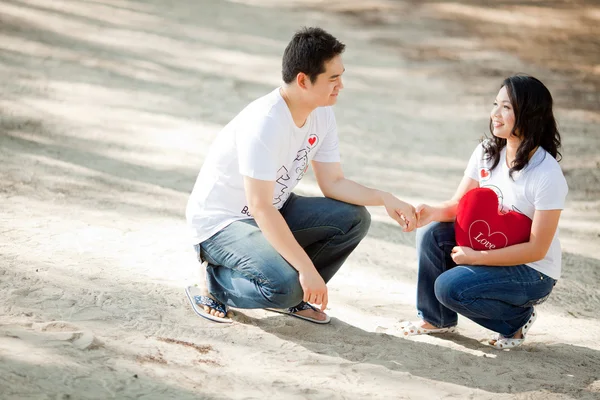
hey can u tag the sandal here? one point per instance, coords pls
(411, 329)
(198, 302)
(300, 307)
(509, 343)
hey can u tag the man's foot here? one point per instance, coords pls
(306, 312)
(207, 307)
(204, 291)
(312, 314)
(203, 303)
(209, 310)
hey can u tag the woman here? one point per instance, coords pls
(498, 288)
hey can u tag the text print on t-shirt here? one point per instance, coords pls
(298, 169)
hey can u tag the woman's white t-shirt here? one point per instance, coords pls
(541, 185)
(261, 142)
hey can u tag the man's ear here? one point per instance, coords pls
(302, 80)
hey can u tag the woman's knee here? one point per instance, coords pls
(435, 234)
(447, 289)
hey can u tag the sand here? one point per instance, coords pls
(106, 113)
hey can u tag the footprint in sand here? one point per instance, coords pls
(65, 331)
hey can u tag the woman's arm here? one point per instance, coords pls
(543, 229)
(446, 211)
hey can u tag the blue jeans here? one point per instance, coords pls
(245, 271)
(498, 298)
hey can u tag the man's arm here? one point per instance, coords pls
(334, 184)
(259, 195)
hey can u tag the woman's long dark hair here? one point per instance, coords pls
(534, 122)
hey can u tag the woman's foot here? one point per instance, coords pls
(518, 335)
(423, 327)
(517, 339)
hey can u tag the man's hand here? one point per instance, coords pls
(315, 290)
(425, 214)
(401, 212)
(463, 255)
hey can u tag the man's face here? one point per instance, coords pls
(325, 89)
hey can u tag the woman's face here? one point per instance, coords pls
(503, 115)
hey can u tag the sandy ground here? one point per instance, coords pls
(106, 112)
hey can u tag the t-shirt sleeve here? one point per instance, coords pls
(329, 150)
(472, 170)
(550, 190)
(258, 145)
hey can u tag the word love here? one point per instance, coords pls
(481, 236)
(484, 242)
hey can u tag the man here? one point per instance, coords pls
(262, 246)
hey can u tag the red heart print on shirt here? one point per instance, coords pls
(484, 173)
(480, 226)
(312, 140)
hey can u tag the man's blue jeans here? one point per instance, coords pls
(498, 298)
(245, 271)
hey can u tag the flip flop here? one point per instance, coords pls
(409, 328)
(198, 301)
(509, 343)
(300, 307)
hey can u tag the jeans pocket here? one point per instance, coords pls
(198, 251)
(536, 302)
(548, 281)
(202, 256)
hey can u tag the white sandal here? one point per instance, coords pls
(411, 329)
(509, 343)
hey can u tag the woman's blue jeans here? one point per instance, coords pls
(245, 271)
(498, 298)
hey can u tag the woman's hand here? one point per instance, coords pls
(463, 255)
(425, 214)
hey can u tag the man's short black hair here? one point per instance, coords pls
(307, 52)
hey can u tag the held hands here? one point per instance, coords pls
(315, 290)
(403, 213)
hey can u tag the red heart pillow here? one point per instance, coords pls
(480, 226)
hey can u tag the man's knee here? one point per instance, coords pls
(283, 288)
(361, 220)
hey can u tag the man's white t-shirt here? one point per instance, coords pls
(541, 185)
(261, 142)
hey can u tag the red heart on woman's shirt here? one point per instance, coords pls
(480, 226)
